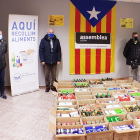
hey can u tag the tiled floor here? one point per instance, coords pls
(26, 117)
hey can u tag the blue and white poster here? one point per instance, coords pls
(23, 53)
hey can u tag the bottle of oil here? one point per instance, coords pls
(103, 95)
(97, 96)
(109, 96)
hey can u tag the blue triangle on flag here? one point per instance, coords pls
(93, 10)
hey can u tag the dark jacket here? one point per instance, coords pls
(132, 52)
(3, 50)
(45, 53)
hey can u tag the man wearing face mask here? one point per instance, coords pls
(3, 50)
(132, 55)
(50, 57)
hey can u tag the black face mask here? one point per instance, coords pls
(135, 38)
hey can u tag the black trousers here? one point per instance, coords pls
(50, 74)
(2, 83)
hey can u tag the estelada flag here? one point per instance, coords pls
(97, 16)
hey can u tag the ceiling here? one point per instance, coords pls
(134, 1)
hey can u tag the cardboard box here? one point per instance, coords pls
(83, 89)
(124, 84)
(65, 86)
(108, 82)
(104, 105)
(105, 100)
(71, 138)
(59, 89)
(54, 112)
(77, 93)
(81, 82)
(69, 120)
(55, 98)
(97, 88)
(65, 80)
(65, 83)
(74, 102)
(138, 85)
(101, 94)
(114, 93)
(111, 85)
(136, 89)
(94, 118)
(134, 86)
(137, 98)
(135, 82)
(121, 116)
(117, 99)
(107, 109)
(134, 115)
(105, 135)
(83, 102)
(130, 79)
(122, 81)
(81, 85)
(68, 106)
(57, 85)
(53, 127)
(117, 91)
(132, 94)
(132, 134)
(100, 91)
(128, 103)
(59, 93)
(83, 93)
(27, 57)
(97, 85)
(85, 97)
(92, 107)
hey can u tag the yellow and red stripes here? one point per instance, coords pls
(92, 61)
(77, 51)
(108, 51)
(88, 51)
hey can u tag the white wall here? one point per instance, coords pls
(43, 8)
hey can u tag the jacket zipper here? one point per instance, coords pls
(135, 53)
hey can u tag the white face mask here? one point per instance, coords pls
(1, 37)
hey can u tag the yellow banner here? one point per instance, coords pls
(56, 20)
(126, 22)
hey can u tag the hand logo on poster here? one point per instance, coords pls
(17, 77)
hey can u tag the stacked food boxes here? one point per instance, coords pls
(96, 110)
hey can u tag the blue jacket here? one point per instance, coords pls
(45, 53)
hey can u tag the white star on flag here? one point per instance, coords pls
(93, 13)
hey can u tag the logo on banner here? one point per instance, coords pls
(17, 77)
(92, 40)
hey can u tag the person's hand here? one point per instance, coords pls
(43, 63)
(58, 63)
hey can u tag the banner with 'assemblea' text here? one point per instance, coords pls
(92, 41)
(23, 53)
